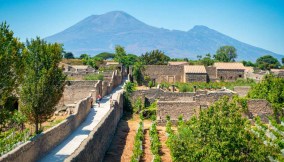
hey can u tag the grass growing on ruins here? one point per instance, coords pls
(94, 77)
(189, 87)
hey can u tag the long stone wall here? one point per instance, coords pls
(176, 108)
(38, 146)
(165, 73)
(98, 141)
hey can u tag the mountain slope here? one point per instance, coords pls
(100, 33)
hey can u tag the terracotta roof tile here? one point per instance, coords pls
(229, 65)
(177, 63)
(194, 69)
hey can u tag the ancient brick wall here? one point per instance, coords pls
(37, 147)
(259, 107)
(212, 73)
(98, 141)
(229, 75)
(242, 90)
(76, 90)
(165, 73)
(176, 108)
(196, 77)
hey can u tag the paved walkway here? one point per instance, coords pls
(73, 141)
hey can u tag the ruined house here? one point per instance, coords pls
(229, 71)
(195, 73)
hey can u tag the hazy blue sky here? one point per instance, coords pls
(256, 22)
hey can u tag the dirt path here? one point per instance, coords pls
(147, 154)
(164, 151)
(122, 144)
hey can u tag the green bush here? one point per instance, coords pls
(137, 150)
(94, 77)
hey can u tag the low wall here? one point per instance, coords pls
(242, 90)
(98, 141)
(260, 107)
(44, 142)
(176, 108)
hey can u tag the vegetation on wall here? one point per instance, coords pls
(270, 88)
(94, 77)
(189, 87)
(219, 133)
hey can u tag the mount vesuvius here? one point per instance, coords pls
(100, 33)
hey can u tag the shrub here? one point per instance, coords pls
(94, 77)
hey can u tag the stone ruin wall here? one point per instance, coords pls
(229, 75)
(196, 77)
(74, 93)
(242, 90)
(99, 140)
(38, 146)
(212, 73)
(186, 108)
(165, 73)
(259, 107)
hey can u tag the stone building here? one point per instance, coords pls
(229, 71)
(165, 73)
(195, 73)
(180, 63)
(278, 72)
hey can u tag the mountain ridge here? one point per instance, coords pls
(100, 33)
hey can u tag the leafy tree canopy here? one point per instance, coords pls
(267, 62)
(248, 63)
(10, 62)
(82, 56)
(226, 54)
(68, 55)
(106, 55)
(155, 57)
(120, 53)
(207, 60)
(270, 88)
(219, 133)
(43, 83)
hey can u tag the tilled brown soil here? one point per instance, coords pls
(164, 151)
(122, 144)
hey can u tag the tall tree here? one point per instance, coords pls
(43, 83)
(119, 54)
(68, 55)
(226, 54)
(10, 62)
(282, 60)
(155, 57)
(207, 60)
(267, 62)
(82, 56)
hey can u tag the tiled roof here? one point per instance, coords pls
(249, 69)
(80, 66)
(277, 70)
(177, 63)
(229, 65)
(194, 69)
(112, 63)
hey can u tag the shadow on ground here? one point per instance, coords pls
(118, 143)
